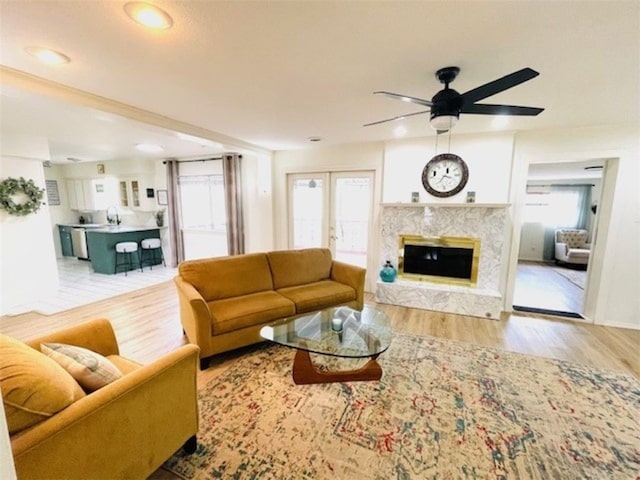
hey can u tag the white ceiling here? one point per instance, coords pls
(272, 74)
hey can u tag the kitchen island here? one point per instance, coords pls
(101, 243)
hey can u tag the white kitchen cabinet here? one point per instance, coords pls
(91, 194)
(132, 194)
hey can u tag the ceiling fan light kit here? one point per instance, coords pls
(446, 106)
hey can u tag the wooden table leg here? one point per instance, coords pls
(304, 372)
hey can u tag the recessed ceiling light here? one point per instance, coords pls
(500, 121)
(148, 15)
(48, 56)
(400, 131)
(149, 148)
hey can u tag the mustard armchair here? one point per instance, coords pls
(126, 429)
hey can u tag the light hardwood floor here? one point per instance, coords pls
(544, 286)
(147, 325)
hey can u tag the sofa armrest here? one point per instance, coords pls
(561, 251)
(195, 316)
(158, 401)
(96, 335)
(350, 275)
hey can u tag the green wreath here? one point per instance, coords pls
(12, 186)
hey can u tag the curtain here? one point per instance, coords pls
(233, 196)
(570, 207)
(175, 233)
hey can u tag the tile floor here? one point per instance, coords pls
(80, 285)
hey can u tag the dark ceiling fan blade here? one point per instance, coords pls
(488, 109)
(399, 117)
(406, 98)
(499, 85)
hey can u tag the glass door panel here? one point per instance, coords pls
(351, 216)
(332, 210)
(308, 224)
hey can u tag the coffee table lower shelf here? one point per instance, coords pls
(305, 373)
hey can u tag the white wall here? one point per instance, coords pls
(487, 156)
(28, 268)
(614, 269)
(257, 202)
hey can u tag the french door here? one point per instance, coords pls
(332, 210)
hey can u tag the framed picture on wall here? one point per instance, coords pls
(162, 197)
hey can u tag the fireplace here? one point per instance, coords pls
(452, 260)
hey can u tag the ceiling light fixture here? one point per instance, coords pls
(148, 15)
(400, 131)
(48, 56)
(500, 121)
(149, 148)
(443, 122)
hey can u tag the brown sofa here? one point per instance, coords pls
(125, 429)
(225, 301)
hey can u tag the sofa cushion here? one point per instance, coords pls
(90, 369)
(226, 277)
(299, 267)
(34, 387)
(239, 312)
(318, 295)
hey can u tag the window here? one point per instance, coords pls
(203, 202)
(552, 208)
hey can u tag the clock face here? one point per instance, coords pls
(445, 175)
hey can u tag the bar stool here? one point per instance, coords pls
(151, 246)
(124, 250)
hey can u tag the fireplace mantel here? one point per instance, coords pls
(448, 205)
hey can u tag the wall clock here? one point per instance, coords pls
(445, 175)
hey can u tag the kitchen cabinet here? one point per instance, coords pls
(130, 191)
(66, 243)
(91, 194)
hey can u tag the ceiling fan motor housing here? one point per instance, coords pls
(446, 102)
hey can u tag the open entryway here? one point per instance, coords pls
(557, 237)
(332, 210)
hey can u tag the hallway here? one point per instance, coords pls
(549, 287)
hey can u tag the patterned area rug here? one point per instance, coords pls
(443, 410)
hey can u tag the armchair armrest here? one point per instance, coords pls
(350, 275)
(157, 401)
(96, 335)
(195, 316)
(561, 251)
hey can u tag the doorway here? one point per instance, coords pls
(332, 210)
(558, 195)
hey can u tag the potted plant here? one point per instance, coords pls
(159, 217)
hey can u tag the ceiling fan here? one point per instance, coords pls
(447, 105)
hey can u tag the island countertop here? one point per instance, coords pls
(124, 229)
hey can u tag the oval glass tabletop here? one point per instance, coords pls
(337, 331)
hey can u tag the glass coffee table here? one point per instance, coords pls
(339, 332)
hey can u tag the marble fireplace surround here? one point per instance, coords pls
(484, 221)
